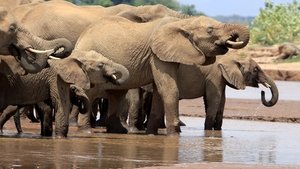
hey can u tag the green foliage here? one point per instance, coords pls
(276, 24)
(190, 10)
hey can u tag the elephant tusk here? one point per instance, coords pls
(267, 85)
(40, 51)
(114, 77)
(53, 57)
(233, 43)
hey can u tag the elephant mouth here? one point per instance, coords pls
(112, 79)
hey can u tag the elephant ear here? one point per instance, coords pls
(173, 43)
(71, 71)
(132, 16)
(232, 74)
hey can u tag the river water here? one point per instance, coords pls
(244, 142)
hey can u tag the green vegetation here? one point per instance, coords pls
(276, 24)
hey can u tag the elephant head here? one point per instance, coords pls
(30, 50)
(242, 72)
(197, 40)
(149, 13)
(87, 68)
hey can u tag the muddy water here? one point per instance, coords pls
(249, 142)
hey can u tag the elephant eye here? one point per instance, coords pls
(210, 30)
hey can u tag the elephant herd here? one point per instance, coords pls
(56, 56)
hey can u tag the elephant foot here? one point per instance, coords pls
(61, 133)
(173, 130)
(133, 130)
(213, 133)
(116, 129)
(85, 130)
(73, 123)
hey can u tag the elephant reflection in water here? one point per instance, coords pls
(115, 151)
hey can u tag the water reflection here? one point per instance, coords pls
(239, 142)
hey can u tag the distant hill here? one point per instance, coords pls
(235, 19)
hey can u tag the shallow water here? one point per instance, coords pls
(249, 142)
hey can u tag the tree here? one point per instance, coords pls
(276, 24)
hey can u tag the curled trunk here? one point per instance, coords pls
(274, 92)
(34, 62)
(239, 36)
(116, 73)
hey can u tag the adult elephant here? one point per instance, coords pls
(52, 83)
(32, 51)
(63, 19)
(210, 82)
(153, 51)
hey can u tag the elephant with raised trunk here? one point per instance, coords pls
(55, 82)
(153, 51)
(30, 50)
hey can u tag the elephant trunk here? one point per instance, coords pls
(116, 73)
(80, 99)
(239, 36)
(33, 52)
(269, 83)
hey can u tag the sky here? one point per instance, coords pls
(231, 7)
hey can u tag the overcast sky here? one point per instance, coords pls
(230, 7)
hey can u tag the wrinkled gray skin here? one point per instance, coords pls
(151, 54)
(287, 50)
(12, 4)
(209, 82)
(16, 40)
(54, 83)
(44, 111)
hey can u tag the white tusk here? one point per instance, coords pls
(267, 85)
(114, 77)
(41, 51)
(53, 57)
(234, 43)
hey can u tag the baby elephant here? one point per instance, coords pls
(210, 82)
(287, 50)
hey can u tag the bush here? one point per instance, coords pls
(276, 24)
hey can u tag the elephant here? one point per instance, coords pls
(44, 111)
(31, 51)
(210, 82)
(287, 50)
(152, 52)
(56, 19)
(55, 84)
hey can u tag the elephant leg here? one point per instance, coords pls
(60, 97)
(17, 120)
(134, 109)
(103, 108)
(157, 111)
(7, 113)
(165, 78)
(212, 103)
(113, 122)
(95, 107)
(44, 110)
(84, 122)
(219, 117)
(74, 115)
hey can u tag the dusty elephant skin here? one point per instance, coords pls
(31, 50)
(150, 53)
